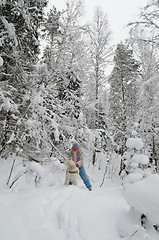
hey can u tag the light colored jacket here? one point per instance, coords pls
(80, 158)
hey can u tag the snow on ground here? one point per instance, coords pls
(60, 212)
(144, 197)
(51, 210)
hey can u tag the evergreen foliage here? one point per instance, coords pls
(20, 21)
(19, 48)
(47, 105)
(123, 94)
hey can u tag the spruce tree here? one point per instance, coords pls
(19, 49)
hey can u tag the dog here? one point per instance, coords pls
(71, 172)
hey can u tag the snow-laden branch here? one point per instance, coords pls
(10, 29)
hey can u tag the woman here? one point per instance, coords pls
(77, 156)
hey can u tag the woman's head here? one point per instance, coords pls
(75, 146)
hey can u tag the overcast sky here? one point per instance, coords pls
(119, 13)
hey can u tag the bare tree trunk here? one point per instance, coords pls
(97, 109)
(124, 126)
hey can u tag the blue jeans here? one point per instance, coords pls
(84, 177)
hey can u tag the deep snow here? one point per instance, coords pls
(49, 210)
(52, 211)
(61, 213)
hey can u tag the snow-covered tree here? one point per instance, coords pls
(148, 118)
(146, 52)
(123, 95)
(149, 20)
(19, 46)
(65, 56)
(145, 38)
(100, 52)
(51, 29)
(20, 21)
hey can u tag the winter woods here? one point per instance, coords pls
(70, 93)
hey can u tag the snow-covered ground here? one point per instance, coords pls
(61, 213)
(50, 210)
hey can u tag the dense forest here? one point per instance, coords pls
(56, 86)
(62, 81)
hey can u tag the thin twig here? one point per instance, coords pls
(53, 146)
(11, 171)
(17, 179)
(104, 176)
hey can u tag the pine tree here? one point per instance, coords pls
(51, 31)
(123, 95)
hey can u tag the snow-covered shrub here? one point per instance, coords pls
(135, 162)
(28, 174)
